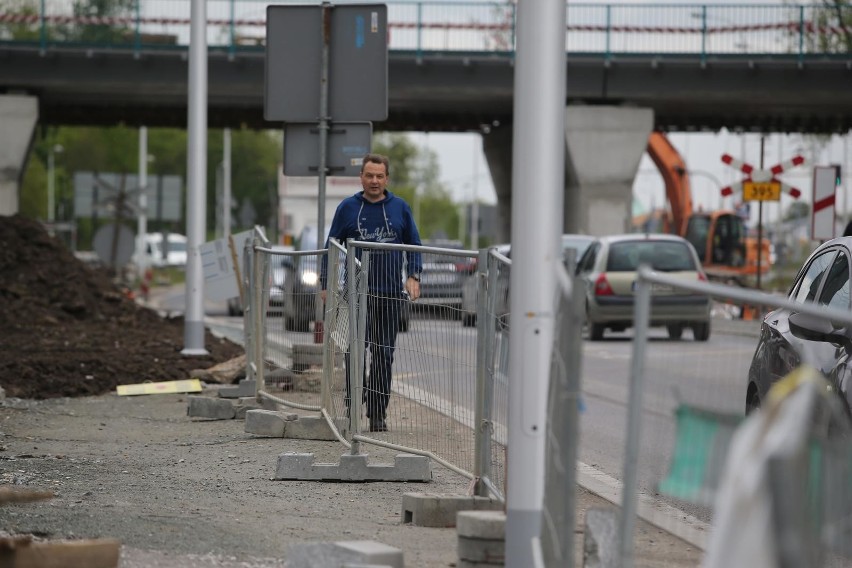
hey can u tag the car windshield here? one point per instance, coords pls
(665, 256)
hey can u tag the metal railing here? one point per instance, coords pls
(685, 405)
(702, 30)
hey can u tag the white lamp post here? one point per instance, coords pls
(51, 182)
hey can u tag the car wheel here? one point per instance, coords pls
(701, 331)
(675, 330)
(469, 320)
(596, 331)
(752, 400)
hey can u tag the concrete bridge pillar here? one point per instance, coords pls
(604, 145)
(497, 147)
(18, 117)
(603, 150)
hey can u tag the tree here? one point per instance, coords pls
(20, 31)
(827, 27)
(255, 157)
(415, 177)
(797, 210)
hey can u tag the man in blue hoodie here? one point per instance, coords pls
(377, 215)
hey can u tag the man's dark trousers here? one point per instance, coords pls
(382, 327)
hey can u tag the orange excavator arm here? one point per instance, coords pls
(675, 178)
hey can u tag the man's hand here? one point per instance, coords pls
(412, 286)
(322, 296)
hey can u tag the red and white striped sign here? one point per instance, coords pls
(762, 176)
(823, 212)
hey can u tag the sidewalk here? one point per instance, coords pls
(183, 493)
(188, 493)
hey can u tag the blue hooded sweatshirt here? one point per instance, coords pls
(386, 221)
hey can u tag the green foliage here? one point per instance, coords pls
(797, 210)
(255, 157)
(415, 178)
(19, 32)
(831, 27)
(100, 34)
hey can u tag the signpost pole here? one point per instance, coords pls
(760, 220)
(323, 156)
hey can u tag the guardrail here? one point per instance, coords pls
(800, 31)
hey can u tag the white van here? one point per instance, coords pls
(173, 255)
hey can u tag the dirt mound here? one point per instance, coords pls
(67, 330)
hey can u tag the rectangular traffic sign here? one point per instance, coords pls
(823, 210)
(358, 63)
(761, 191)
(348, 143)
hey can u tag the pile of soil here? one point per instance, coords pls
(67, 330)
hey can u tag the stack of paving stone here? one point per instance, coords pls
(482, 539)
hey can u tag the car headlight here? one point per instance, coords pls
(310, 278)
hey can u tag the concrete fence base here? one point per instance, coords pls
(481, 539)
(440, 511)
(406, 467)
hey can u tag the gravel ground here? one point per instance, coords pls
(189, 493)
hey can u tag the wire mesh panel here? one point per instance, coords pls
(338, 328)
(418, 382)
(496, 329)
(290, 322)
(688, 399)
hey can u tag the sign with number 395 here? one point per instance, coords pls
(761, 191)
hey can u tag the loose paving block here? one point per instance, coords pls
(267, 422)
(406, 467)
(362, 553)
(434, 510)
(246, 387)
(312, 428)
(490, 551)
(305, 355)
(212, 408)
(600, 539)
(468, 564)
(244, 404)
(489, 525)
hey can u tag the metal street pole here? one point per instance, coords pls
(142, 221)
(760, 219)
(323, 154)
(474, 208)
(226, 186)
(538, 158)
(51, 184)
(196, 214)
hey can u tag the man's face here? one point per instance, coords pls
(374, 180)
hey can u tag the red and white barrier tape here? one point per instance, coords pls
(809, 27)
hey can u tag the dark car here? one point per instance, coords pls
(789, 338)
(444, 275)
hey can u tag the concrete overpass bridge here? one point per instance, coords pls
(629, 69)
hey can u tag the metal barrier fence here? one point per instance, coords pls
(432, 366)
(687, 399)
(413, 369)
(609, 29)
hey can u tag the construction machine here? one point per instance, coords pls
(720, 238)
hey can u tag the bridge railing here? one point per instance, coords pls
(477, 27)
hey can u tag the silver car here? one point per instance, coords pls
(573, 245)
(609, 267)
